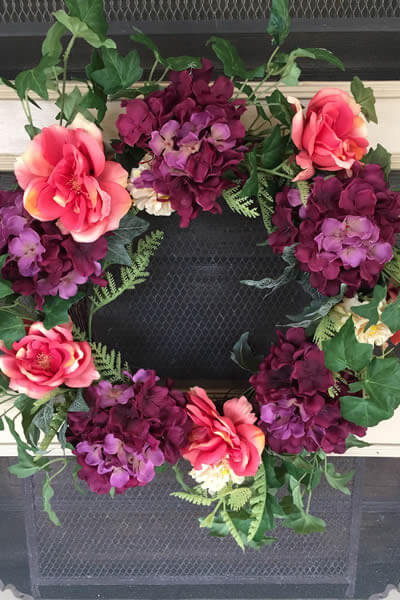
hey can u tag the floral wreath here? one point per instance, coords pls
(190, 145)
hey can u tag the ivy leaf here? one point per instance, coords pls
(243, 355)
(47, 494)
(338, 481)
(391, 315)
(81, 30)
(5, 286)
(44, 416)
(56, 309)
(52, 45)
(280, 108)
(381, 394)
(344, 351)
(90, 12)
(318, 308)
(71, 104)
(250, 188)
(11, 328)
(291, 74)
(95, 100)
(130, 228)
(145, 40)
(379, 156)
(279, 21)
(35, 80)
(79, 403)
(233, 63)
(304, 523)
(370, 311)
(365, 97)
(353, 442)
(180, 63)
(325, 55)
(119, 72)
(273, 148)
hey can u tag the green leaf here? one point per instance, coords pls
(81, 30)
(280, 108)
(5, 286)
(90, 12)
(258, 501)
(43, 417)
(327, 56)
(35, 79)
(279, 21)
(145, 40)
(96, 100)
(365, 97)
(379, 156)
(70, 104)
(353, 442)
(291, 74)
(381, 394)
(250, 188)
(180, 63)
(391, 315)
(11, 328)
(52, 42)
(344, 351)
(117, 253)
(316, 310)
(119, 72)
(47, 494)
(56, 309)
(370, 311)
(304, 523)
(338, 481)
(232, 528)
(79, 403)
(130, 228)
(273, 148)
(1, 424)
(233, 63)
(295, 488)
(243, 355)
(31, 130)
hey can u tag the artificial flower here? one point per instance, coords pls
(44, 359)
(346, 232)
(147, 199)
(377, 334)
(13, 217)
(292, 388)
(331, 136)
(214, 478)
(232, 437)
(66, 176)
(129, 430)
(194, 131)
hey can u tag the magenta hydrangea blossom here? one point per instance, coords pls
(27, 250)
(13, 217)
(345, 234)
(194, 131)
(296, 410)
(129, 430)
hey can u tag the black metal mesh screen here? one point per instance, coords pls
(185, 319)
(15, 11)
(147, 537)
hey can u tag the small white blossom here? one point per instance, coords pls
(215, 477)
(377, 334)
(147, 199)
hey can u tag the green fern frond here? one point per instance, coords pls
(304, 189)
(231, 527)
(266, 203)
(108, 363)
(238, 497)
(194, 498)
(326, 329)
(392, 268)
(242, 206)
(78, 334)
(258, 500)
(130, 276)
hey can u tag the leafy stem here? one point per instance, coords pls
(163, 75)
(153, 68)
(274, 172)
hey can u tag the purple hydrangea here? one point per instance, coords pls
(296, 409)
(129, 430)
(345, 233)
(13, 217)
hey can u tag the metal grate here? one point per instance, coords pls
(147, 537)
(39, 11)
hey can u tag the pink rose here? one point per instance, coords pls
(45, 359)
(331, 136)
(232, 436)
(65, 176)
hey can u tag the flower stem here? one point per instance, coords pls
(64, 79)
(274, 172)
(163, 75)
(153, 68)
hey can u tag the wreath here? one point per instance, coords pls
(188, 143)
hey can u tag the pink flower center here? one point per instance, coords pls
(75, 185)
(43, 361)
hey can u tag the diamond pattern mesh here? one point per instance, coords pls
(14, 11)
(184, 320)
(147, 536)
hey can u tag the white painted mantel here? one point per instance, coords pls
(385, 438)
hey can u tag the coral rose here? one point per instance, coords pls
(331, 136)
(65, 176)
(45, 359)
(214, 437)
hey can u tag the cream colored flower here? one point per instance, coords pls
(147, 199)
(215, 477)
(377, 334)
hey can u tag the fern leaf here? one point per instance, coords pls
(258, 500)
(108, 363)
(304, 189)
(326, 329)
(231, 527)
(242, 206)
(238, 497)
(266, 203)
(193, 498)
(130, 276)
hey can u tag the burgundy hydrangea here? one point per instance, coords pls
(194, 133)
(128, 431)
(42, 261)
(292, 390)
(345, 234)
